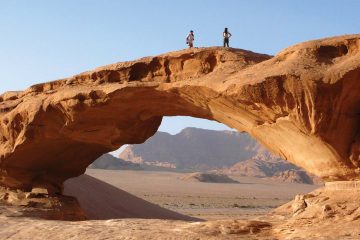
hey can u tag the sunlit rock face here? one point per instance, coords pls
(303, 104)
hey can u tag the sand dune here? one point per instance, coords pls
(102, 201)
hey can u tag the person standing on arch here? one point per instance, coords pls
(190, 39)
(227, 35)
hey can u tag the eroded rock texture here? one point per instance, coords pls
(303, 104)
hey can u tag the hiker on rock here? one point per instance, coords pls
(190, 39)
(227, 36)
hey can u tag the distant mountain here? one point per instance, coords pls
(293, 176)
(194, 149)
(263, 164)
(110, 162)
(227, 152)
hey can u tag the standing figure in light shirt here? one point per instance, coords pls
(190, 39)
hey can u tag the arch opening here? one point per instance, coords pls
(194, 169)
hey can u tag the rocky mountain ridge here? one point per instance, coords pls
(193, 148)
(227, 152)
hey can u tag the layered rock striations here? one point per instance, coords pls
(303, 104)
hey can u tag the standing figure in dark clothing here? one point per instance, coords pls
(227, 36)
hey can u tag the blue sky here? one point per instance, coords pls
(42, 40)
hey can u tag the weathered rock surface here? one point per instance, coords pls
(38, 203)
(313, 215)
(137, 229)
(303, 104)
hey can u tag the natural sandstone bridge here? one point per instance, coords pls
(303, 104)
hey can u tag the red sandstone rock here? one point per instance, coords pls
(303, 104)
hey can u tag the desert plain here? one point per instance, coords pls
(118, 212)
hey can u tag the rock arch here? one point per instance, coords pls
(303, 104)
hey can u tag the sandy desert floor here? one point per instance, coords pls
(250, 198)
(159, 205)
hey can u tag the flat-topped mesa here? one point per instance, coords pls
(303, 104)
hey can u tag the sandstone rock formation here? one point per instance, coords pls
(39, 203)
(209, 178)
(314, 215)
(303, 104)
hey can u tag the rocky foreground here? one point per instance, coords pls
(331, 213)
